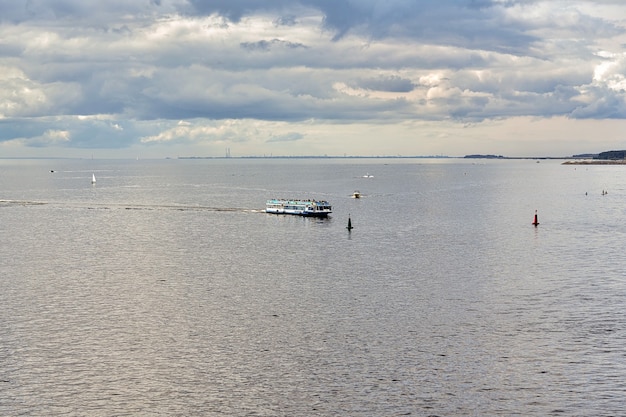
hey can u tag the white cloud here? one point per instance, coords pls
(48, 138)
(612, 73)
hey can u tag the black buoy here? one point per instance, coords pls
(349, 227)
(535, 220)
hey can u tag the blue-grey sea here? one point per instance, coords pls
(165, 290)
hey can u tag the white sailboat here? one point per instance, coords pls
(93, 178)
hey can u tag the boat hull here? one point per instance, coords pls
(303, 214)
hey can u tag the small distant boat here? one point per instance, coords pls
(356, 194)
(368, 176)
(93, 178)
(311, 208)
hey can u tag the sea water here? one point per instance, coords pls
(164, 289)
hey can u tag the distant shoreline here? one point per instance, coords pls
(575, 160)
(597, 162)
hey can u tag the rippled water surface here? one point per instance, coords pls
(164, 289)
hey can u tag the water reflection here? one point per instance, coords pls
(443, 300)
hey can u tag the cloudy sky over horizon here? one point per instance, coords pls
(156, 78)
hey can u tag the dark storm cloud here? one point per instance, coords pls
(450, 22)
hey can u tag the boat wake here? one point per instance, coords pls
(91, 206)
(6, 203)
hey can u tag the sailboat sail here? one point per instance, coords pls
(93, 178)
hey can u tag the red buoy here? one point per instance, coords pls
(535, 220)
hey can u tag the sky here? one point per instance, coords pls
(172, 78)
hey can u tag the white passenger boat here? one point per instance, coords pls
(313, 208)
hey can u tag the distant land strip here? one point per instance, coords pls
(596, 162)
(320, 157)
